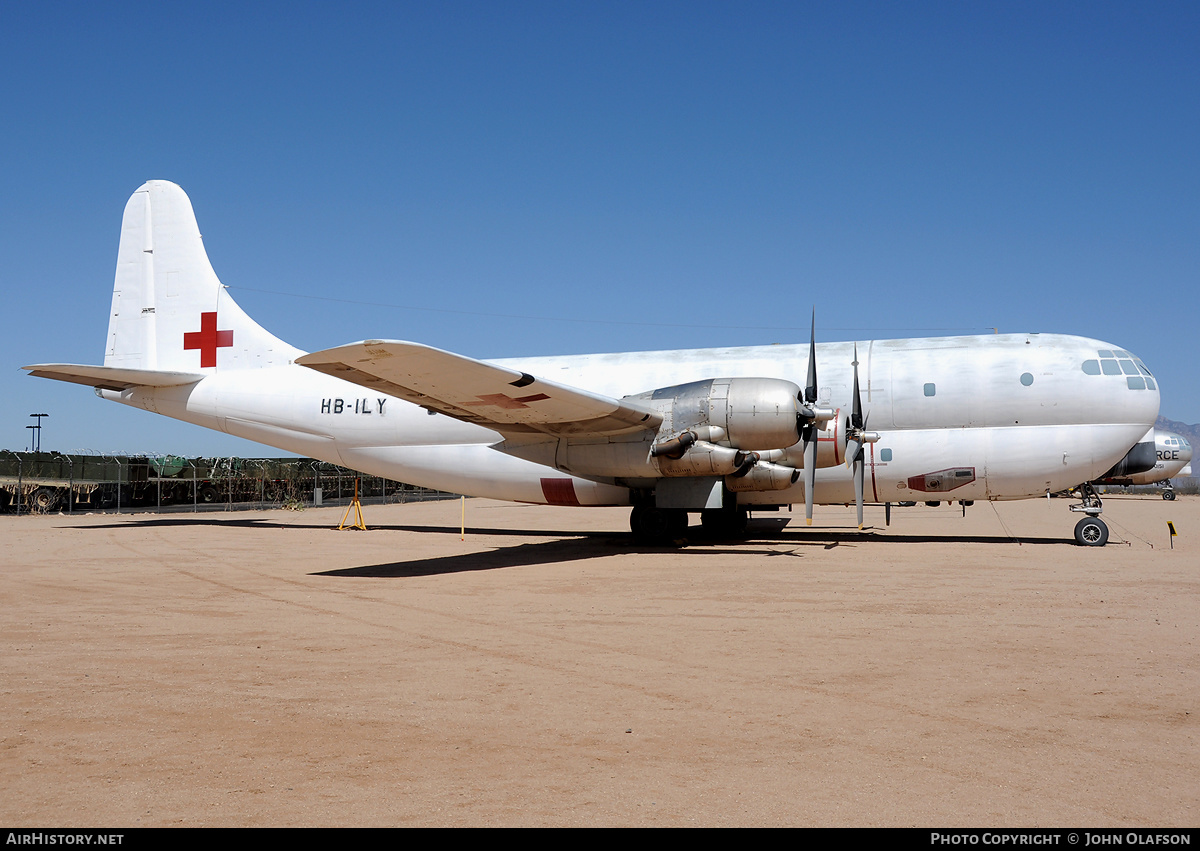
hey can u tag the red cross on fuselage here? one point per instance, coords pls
(208, 339)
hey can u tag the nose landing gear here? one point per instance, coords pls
(1091, 531)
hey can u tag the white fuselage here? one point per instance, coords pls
(1023, 413)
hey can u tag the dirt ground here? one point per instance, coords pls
(263, 668)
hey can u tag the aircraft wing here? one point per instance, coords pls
(111, 377)
(504, 399)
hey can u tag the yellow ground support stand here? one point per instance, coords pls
(357, 507)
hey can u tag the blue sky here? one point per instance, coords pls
(509, 178)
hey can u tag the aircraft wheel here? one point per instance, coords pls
(657, 525)
(1091, 532)
(1168, 495)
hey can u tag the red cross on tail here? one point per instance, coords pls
(208, 339)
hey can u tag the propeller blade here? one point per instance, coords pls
(856, 436)
(855, 426)
(856, 414)
(859, 473)
(810, 471)
(810, 390)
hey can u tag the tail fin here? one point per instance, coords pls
(169, 310)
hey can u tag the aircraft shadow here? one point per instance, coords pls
(603, 544)
(260, 523)
(575, 545)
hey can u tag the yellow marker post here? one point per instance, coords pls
(357, 507)
(1171, 526)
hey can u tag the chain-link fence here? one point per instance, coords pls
(39, 482)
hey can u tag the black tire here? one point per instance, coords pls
(207, 494)
(1169, 495)
(1091, 532)
(43, 500)
(657, 525)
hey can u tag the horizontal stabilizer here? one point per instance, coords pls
(111, 377)
(505, 399)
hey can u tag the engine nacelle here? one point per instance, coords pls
(764, 476)
(745, 413)
(702, 459)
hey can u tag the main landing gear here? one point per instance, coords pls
(1090, 531)
(652, 525)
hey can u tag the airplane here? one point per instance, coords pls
(716, 432)
(1171, 456)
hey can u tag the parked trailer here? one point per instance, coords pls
(45, 481)
(50, 481)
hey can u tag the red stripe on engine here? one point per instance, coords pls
(559, 492)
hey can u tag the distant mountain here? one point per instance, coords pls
(1191, 432)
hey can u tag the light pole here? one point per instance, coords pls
(37, 432)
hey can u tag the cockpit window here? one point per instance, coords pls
(1120, 362)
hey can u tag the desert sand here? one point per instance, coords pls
(263, 668)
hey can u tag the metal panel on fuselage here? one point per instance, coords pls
(1017, 408)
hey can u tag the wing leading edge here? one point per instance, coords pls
(500, 398)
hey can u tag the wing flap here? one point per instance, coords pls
(110, 377)
(505, 399)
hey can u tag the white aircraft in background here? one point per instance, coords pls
(1160, 457)
(709, 431)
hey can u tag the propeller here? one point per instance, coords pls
(810, 417)
(808, 432)
(856, 436)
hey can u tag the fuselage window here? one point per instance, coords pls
(1105, 353)
(1091, 367)
(930, 389)
(1110, 367)
(1026, 378)
(1150, 384)
(885, 455)
(1136, 382)
(1128, 368)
